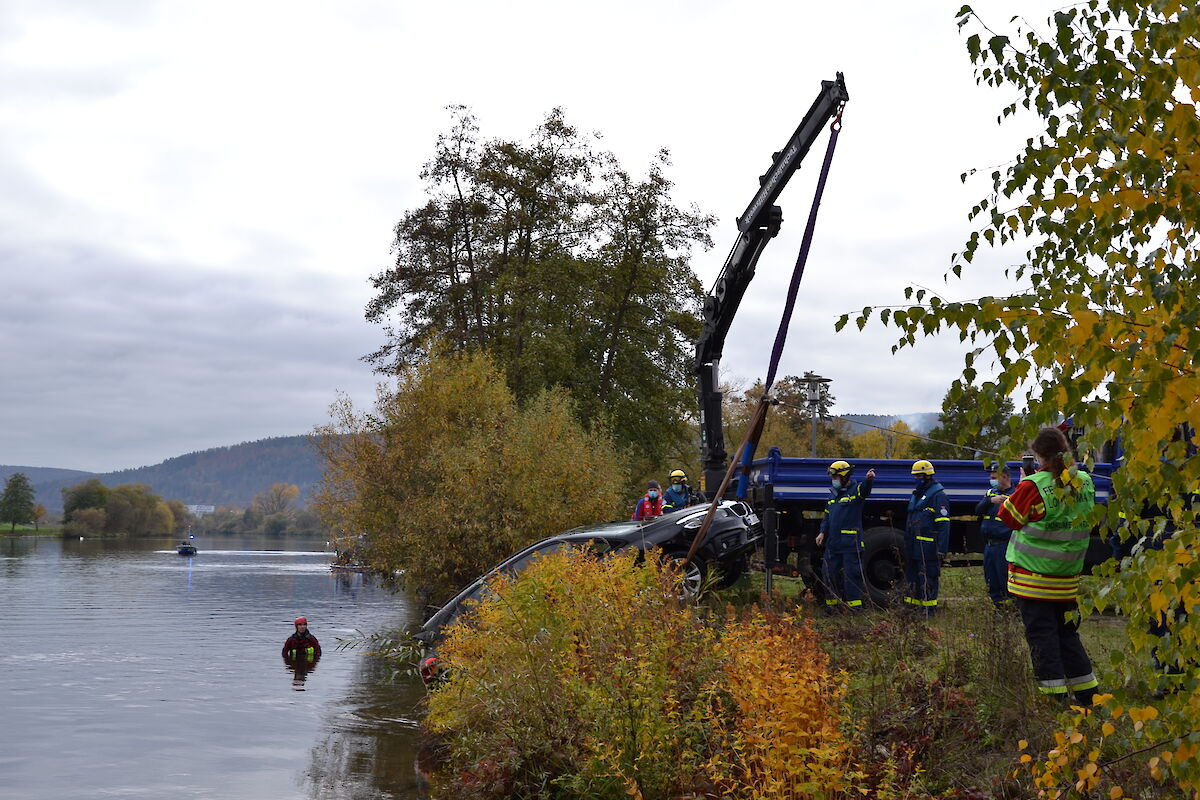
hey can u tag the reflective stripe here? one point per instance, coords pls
(1053, 686)
(1012, 511)
(1042, 552)
(854, 603)
(924, 538)
(831, 602)
(1056, 536)
(846, 531)
(915, 602)
(1082, 682)
(1042, 587)
(941, 519)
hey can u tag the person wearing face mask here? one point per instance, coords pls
(1050, 516)
(651, 504)
(680, 494)
(926, 539)
(841, 534)
(996, 535)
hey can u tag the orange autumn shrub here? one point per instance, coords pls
(588, 678)
(783, 737)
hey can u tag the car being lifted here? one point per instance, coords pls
(732, 535)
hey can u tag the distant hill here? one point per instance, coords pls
(39, 475)
(222, 476)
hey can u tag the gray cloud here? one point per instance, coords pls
(125, 364)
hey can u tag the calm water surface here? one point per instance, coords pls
(128, 671)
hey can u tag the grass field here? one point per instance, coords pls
(29, 530)
(947, 698)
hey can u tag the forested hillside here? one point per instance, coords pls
(222, 476)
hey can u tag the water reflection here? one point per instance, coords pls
(371, 751)
(300, 669)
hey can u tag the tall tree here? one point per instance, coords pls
(18, 503)
(960, 423)
(562, 266)
(1106, 201)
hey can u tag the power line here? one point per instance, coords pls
(897, 433)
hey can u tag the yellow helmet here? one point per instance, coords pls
(678, 476)
(840, 468)
(922, 467)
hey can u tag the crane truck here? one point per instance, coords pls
(789, 494)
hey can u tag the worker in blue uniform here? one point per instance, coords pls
(926, 539)
(995, 536)
(841, 534)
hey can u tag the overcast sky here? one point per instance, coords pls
(195, 193)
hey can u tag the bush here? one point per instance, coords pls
(585, 678)
(448, 474)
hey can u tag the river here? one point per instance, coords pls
(129, 671)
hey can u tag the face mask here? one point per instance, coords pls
(921, 481)
(837, 484)
(653, 493)
(995, 483)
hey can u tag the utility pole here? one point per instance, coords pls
(815, 384)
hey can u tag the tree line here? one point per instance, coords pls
(91, 508)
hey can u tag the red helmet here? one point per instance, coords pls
(301, 620)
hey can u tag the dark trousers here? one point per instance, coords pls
(995, 571)
(843, 575)
(922, 573)
(1060, 663)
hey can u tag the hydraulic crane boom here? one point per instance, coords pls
(757, 225)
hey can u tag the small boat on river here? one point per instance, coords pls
(186, 549)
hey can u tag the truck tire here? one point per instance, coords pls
(883, 563)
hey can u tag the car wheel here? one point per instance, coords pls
(692, 575)
(883, 563)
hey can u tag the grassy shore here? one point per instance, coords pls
(29, 530)
(949, 698)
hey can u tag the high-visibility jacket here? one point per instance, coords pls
(1050, 536)
(842, 523)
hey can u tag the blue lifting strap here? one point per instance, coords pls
(752, 436)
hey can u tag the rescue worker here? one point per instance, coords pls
(679, 494)
(995, 535)
(651, 504)
(1049, 514)
(926, 539)
(302, 645)
(841, 534)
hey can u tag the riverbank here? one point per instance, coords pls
(28, 530)
(942, 707)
